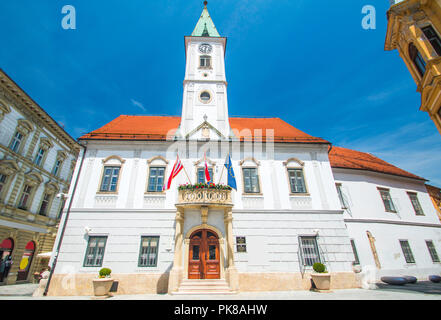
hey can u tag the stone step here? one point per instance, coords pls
(203, 287)
(202, 293)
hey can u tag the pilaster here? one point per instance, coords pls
(176, 272)
(231, 274)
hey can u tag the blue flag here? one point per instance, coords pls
(230, 173)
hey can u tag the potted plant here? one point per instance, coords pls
(321, 277)
(102, 285)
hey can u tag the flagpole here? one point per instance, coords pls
(222, 172)
(186, 174)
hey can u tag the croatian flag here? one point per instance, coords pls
(207, 173)
(176, 169)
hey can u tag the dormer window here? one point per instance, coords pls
(205, 62)
(417, 59)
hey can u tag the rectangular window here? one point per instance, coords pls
(148, 254)
(60, 212)
(110, 179)
(432, 251)
(433, 38)
(296, 181)
(95, 252)
(56, 167)
(24, 199)
(16, 140)
(205, 62)
(251, 180)
(343, 202)
(354, 250)
(406, 251)
(387, 200)
(201, 175)
(44, 204)
(309, 250)
(416, 204)
(39, 156)
(241, 244)
(156, 179)
(2, 182)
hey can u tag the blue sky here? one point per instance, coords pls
(307, 62)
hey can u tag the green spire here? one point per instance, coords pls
(205, 26)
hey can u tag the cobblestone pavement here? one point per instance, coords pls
(420, 291)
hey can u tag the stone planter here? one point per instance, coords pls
(101, 287)
(322, 281)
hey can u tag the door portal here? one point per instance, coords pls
(204, 260)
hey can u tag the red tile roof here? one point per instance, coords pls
(160, 127)
(351, 159)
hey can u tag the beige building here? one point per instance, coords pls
(37, 158)
(413, 29)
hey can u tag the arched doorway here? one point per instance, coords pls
(26, 261)
(204, 255)
(6, 248)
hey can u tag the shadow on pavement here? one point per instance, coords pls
(421, 287)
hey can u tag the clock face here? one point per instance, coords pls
(205, 48)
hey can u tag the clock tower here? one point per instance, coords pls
(205, 106)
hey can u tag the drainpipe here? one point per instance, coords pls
(60, 240)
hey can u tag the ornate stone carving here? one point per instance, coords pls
(205, 197)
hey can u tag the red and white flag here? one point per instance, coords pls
(176, 169)
(207, 173)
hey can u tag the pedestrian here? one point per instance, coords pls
(8, 265)
(45, 273)
(2, 268)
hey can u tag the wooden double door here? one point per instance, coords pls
(204, 259)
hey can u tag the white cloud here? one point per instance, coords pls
(415, 147)
(138, 104)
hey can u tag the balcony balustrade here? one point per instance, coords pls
(204, 197)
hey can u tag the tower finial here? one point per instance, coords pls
(205, 3)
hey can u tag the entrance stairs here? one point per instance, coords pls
(203, 287)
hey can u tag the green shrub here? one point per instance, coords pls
(105, 272)
(319, 267)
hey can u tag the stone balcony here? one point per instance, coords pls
(204, 197)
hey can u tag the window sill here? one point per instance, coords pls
(110, 193)
(159, 193)
(252, 194)
(299, 195)
(410, 264)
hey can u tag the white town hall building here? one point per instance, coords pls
(299, 200)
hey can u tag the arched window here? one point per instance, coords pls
(417, 59)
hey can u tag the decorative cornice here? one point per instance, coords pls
(121, 160)
(149, 161)
(257, 162)
(285, 163)
(406, 223)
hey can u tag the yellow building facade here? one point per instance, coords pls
(37, 158)
(435, 196)
(414, 29)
